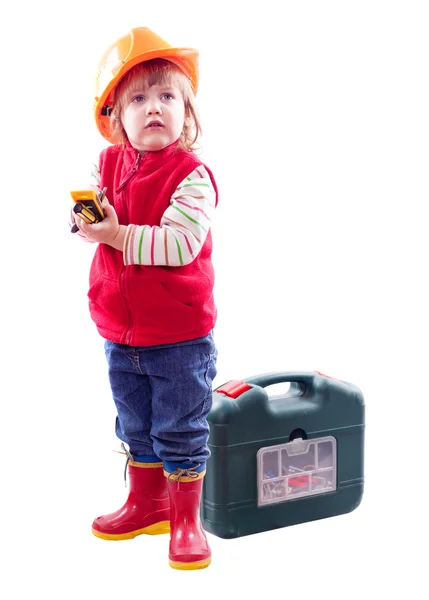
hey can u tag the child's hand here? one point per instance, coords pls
(103, 232)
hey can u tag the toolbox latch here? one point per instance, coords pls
(234, 388)
(323, 375)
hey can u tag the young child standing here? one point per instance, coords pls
(151, 287)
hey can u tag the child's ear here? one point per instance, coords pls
(188, 119)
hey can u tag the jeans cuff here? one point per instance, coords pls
(146, 459)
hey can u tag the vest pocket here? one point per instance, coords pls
(106, 304)
(155, 308)
(174, 298)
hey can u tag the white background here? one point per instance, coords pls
(321, 266)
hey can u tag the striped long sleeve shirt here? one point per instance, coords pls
(183, 228)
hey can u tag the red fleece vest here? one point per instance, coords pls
(149, 305)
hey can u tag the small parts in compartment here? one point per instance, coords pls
(296, 470)
(303, 481)
(275, 490)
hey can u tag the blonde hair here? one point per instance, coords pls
(156, 72)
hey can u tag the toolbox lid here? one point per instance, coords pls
(234, 388)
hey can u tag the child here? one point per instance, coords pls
(151, 287)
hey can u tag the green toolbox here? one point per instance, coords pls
(284, 459)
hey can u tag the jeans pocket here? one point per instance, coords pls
(209, 375)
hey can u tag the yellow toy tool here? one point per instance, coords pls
(88, 206)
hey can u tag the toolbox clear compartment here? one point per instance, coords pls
(297, 469)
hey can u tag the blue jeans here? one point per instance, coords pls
(163, 395)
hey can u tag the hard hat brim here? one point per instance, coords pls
(185, 58)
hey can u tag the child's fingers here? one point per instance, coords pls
(106, 205)
(81, 224)
(108, 209)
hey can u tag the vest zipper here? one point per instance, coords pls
(130, 318)
(128, 335)
(122, 278)
(130, 174)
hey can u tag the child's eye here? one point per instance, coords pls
(138, 99)
(167, 96)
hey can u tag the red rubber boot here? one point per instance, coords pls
(189, 548)
(147, 509)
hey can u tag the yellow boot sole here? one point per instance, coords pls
(155, 529)
(190, 566)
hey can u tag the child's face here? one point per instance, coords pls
(154, 117)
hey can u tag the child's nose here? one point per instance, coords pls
(153, 107)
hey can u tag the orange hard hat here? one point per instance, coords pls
(137, 46)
